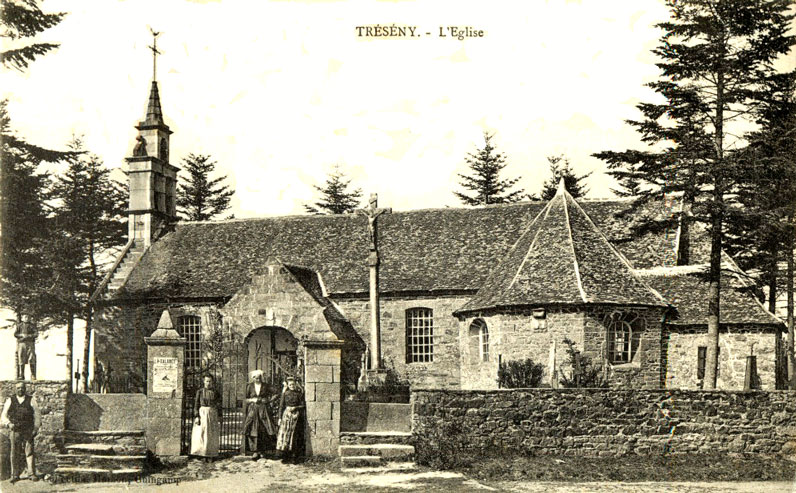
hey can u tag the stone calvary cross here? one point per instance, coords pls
(372, 212)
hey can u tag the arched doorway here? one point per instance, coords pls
(272, 350)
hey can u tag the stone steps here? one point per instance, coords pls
(384, 467)
(375, 437)
(105, 449)
(121, 437)
(374, 455)
(91, 475)
(112, 455)
(101, 461)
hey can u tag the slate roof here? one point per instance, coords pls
(686, 288)
(451, 249)
(562, 258)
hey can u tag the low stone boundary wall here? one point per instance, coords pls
(50, 397)
(104, 412)
(607, 422)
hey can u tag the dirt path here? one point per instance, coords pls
(235, 476)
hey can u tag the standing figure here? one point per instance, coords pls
(106, 382)
(26, 347)
(258, 427)
(290, 439)
(21, 416)
(207, 409)
(99, 378)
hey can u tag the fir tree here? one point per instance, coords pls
(201, 198)
(486, 164)
(560, 168)
(715, 56)
(88, 223)
(24, 19)
(336, 198)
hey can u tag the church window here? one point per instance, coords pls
(164, 150)
(484, 340)
(479, 341)
(190, 327)
(623, 335)
(702, 357)
(419, 335)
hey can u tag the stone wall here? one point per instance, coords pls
(735, 344)
(51, 399)
(517, 335)
(93, 412)
(120, 331)
(443, 372)
(530, 333)
(645, 370)
(607, 422)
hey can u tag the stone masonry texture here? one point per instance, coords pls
(51, 399)
(609, 422)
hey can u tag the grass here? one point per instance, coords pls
(632, 468)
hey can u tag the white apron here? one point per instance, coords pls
(204, 437)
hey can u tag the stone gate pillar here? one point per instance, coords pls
(165, 360)
(322, 391)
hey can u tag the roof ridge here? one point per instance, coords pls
(564, 196)
(618, 253)
(546, 210)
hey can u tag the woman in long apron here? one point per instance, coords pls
(207, 408)
(290, 439)
(258, 426)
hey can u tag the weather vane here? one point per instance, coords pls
(155, 53)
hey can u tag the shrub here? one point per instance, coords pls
(443, 447)
(519, 374)
(583, 373)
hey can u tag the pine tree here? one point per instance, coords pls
(335, 195)
(24, 279)
(715, 55)
(88, 222)
(201, 198)
(24, 19)
(762, 236)
(486, 164)
(560, 168)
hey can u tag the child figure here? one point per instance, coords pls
(290, 438)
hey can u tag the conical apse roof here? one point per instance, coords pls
(562, 258)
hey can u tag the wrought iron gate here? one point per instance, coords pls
(224, 359)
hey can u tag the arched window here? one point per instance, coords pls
(164, 150)
(479, 341)
(419, 335)
(624, 330)
(190, 327)
(484, 342)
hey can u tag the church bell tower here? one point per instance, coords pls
(152, 180)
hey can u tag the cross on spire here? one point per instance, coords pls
(155, 53)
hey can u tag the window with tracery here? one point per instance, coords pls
(624, 330)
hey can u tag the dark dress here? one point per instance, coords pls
(259, 431)
(290, 439)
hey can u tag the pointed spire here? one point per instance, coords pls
(562, 186)
(154, 115)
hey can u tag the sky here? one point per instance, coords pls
(280, 92)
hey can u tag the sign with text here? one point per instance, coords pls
(164, 375)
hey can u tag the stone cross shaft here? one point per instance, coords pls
(372, 212)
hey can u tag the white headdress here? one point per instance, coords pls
(254, 374)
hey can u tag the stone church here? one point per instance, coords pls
(459, 290)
